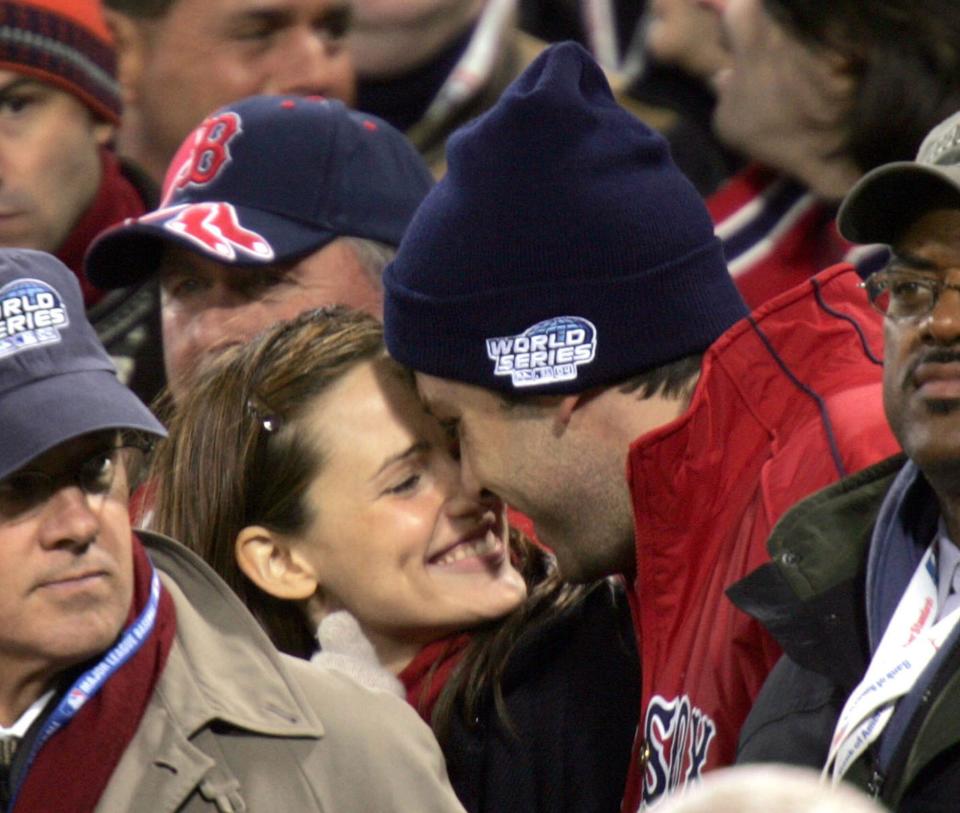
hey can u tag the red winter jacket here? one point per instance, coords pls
(789, 400)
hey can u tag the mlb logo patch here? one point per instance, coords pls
(31, 315)
(545, 353)
(76, 698)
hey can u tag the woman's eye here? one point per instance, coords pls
(408, 484)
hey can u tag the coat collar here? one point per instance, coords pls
(223, 666)
(811, 595)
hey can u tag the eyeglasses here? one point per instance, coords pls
(24, 492)
(902, 295)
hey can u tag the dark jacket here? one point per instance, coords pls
(127, 320)
(812, 599)
(572, 690)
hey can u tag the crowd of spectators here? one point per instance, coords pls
(512, 406)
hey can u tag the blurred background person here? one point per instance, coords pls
(180, 59)
(816, 94)
(304, 469)
(61, 183)
(429, 66)
(682, 51)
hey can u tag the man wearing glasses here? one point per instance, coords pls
(131, 678)
(864, 589)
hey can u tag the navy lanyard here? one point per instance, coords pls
(93, 680)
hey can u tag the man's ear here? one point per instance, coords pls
(275, 566)
(566, 406)
(130, 37)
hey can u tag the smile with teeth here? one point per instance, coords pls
(485, 545)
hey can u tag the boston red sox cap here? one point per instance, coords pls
(267, 180)
(56, 380)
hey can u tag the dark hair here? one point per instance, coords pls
(140, 8)
(486, 656)
(905, 55)
(234, 457)
(672, 380)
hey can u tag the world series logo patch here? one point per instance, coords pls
(31, 315)
(545, 353)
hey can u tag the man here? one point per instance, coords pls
(131, 678)
(816, 95)
(273, 206)
(180, 59)
(429, 66)
(60, 181)
(863, 590)
(682, 50)
(566, 306)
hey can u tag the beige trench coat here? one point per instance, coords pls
(235, 726)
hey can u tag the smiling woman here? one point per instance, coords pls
(305, 470)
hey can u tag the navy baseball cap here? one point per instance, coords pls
(270, 179)
(56, 380)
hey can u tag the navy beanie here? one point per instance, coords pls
(563, 249)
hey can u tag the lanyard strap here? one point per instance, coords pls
(907, 647)
(93, 680)
(601, 28)
(476, 65)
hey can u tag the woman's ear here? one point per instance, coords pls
(274, 565)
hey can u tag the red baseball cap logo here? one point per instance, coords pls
(202, 155)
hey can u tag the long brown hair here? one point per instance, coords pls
(234, 457)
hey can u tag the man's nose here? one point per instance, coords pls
(69, 519)
(943, 321)
(312, 63)
(226, 320)
(468, 495)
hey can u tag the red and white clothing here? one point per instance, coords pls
(789, 400)
(776, 234)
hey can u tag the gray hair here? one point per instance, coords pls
(372, 255)
(762, 788)
(140, 8)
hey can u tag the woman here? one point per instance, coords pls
(305, 470)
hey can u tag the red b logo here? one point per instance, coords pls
(202, 157)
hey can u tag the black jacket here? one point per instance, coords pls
(812, 599)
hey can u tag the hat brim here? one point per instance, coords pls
(130, 253)
(49, 411)
(889, 198)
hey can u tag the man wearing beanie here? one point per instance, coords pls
(566, 307)
(60, 182)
